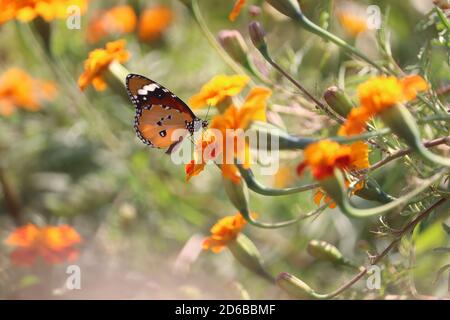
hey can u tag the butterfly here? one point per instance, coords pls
(160, 114)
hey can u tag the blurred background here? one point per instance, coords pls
(74, 158)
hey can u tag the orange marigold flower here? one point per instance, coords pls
(253, 108)
(378, 94)
(358, 159)
(224, 231)
(54, 244)
(354, 24)
(98, 61)
(382, 92)
(153, 22)
(217, 89)
(27, 10)
(359, 156)
(227, 124)
(117, 20)
(356, 122)
(19, 90)
(234, 119)
(236, 9)
(325, 155)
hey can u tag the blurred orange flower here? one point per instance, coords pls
(98, 62)
(325, 155)
(283, 177)
(54, 244)
(359, 160)
(117, 20)
(224, 231)
(19, 90)
(236, 9)
(378, 94)
(233, 119)
(217, 89)
(27, 10)
(153, 22)
(354, 24)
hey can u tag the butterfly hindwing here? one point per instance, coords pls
(156, 124)
(159, 112)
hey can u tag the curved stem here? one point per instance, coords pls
(409, 227)
(291, 142)
(297, 84)
(335, 187)
(403, 152)
(267, 225)
(257, 187)
(313, 28)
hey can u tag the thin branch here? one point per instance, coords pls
(409, 227)
(403, 152)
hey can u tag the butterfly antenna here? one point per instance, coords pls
(192, 141)
(207, 112)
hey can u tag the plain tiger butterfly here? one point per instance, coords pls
(159, 113)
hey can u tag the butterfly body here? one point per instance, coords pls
(162, 119)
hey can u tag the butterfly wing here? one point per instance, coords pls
(159, 112)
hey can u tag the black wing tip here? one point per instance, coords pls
(131, 75)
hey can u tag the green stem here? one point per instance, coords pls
(313, 28)
(336, 189)
(257, 187)
(266, 225)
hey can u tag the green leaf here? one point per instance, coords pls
(446, 228)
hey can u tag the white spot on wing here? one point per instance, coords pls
(150, 87)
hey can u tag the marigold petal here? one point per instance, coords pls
(412, 85)
(236, 9)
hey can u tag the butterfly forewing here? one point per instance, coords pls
(159, 112)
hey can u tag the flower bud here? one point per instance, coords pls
(373, 192)
(401, 122)
(245, 251)
(323, 250)
(258, 35)
(291, 8)
(294, 286)
(334, 187)
(254, 11)
(234, 44)
(338, 100)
